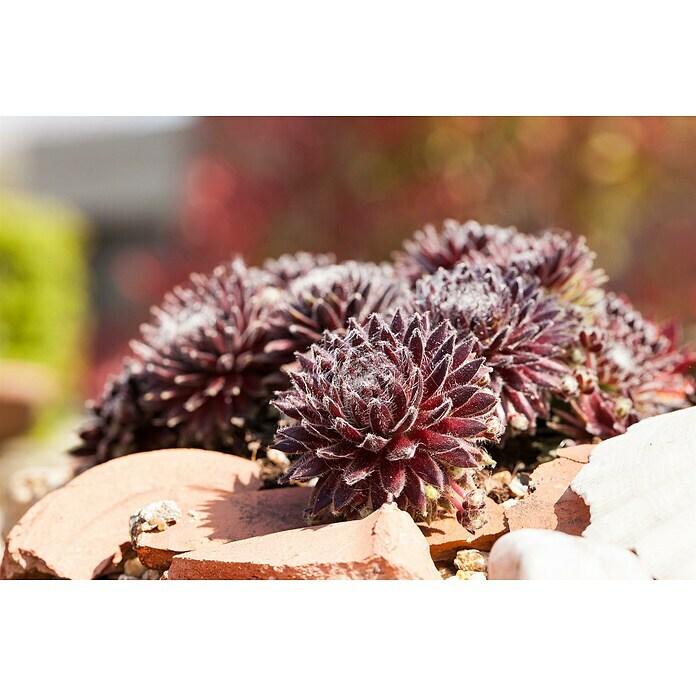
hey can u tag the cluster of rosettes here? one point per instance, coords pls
(564, 265)
(626, 368)
(201, 375)
(429, 251)
(208, 364)
(522, 332)
(282, 271)
(121, 422)
(393, 411)
(326, 298)
(394, 379)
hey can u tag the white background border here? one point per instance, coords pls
(154, 58)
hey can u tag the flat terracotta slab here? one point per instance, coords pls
(445, 536)
(553, 505)
(81, 530)
(387, 545)
(221, 518)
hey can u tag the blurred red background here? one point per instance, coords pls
(358, 186)
(262, 186)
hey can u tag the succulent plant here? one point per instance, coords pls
(282, 271)
(595, 415)
(326, 298)
(428, 251)
(627, 368)
(396, 378)
(396, 410)
(520, 331)
(121, 422)
(202, 372)
(563, 264)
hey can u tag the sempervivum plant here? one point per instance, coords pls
(521, 331)
(563, 264)
(121, 422)
(203, 369)
(429, 250)
(326, 298)
(396, 410)
(282, 271)
(627, 368)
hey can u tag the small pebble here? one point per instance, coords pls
(277, 457)
(155, 516)
(446, 572)
(134, 567)
(471, 560)
(503, 477)
(470, 575)
(517, 488)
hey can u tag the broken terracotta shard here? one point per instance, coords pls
(552, 504)
(386, 545)
(445, 535)
(221, 518)
(81, 531)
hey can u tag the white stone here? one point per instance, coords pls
(641, 491)
(542, 554)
